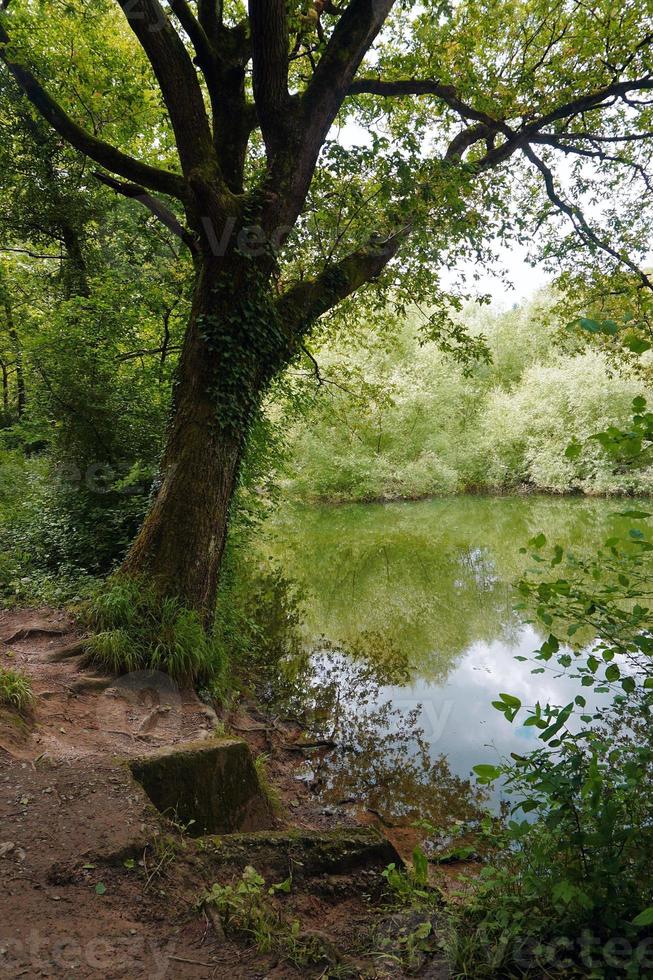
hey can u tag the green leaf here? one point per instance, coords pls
(486, 773)
(283, 886)
(420, 866)
(573, 450)
(100, 888)
(528, 805)
(644, 918)
(538, 541)
(638, 346)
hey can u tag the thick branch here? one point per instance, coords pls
(350, 41)
(418, 87)
(103, 153)
(209, 14)
(302, 304)
(198, 36)
(515, 137)
(177, 79)
(153, 204)
(269, 27)
(467, 138)
(352, 38)
(618, 90)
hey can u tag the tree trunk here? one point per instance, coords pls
(21, 396)
(5, 388)
(220, 383)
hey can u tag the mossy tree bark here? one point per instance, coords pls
(221, 379)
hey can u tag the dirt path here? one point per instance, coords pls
(93, 881)
(65, 798)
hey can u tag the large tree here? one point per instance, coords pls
(466, 109)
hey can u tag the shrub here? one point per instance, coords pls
(570, 874)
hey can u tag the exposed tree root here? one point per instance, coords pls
(26, 631)
(67, 652)
(87, 685)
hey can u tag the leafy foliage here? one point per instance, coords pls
(246, 907)
(395, 417)
(568, 879)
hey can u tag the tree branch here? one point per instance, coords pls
(32, 255)
(448, 94)
(600, 138)
(209, 14)
(467, 138)
(577, 218)
(598, 153)
(153, 204)
(301, 305)
(269, 28)
(103, 153)
(198, 36)
(177, 79)
(350, 41)
(429, 86)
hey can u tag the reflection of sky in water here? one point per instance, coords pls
(458, 718)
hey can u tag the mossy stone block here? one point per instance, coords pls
(307, 852)
(210, 787)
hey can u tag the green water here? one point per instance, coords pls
(429, 585)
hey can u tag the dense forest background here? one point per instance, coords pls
(400, 418)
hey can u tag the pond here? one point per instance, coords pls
(410, 608)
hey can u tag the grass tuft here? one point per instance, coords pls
(15, 690)
(134, 628)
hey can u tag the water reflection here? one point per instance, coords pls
(408, 633)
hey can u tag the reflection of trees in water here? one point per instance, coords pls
(377, 755)
(403, 590)
(428, 579)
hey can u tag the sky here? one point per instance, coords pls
(526, 279)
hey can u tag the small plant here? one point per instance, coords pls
(15, 690)
(246, 908)
(410, 936)
(134, 628)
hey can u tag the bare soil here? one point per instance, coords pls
(94, 882)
